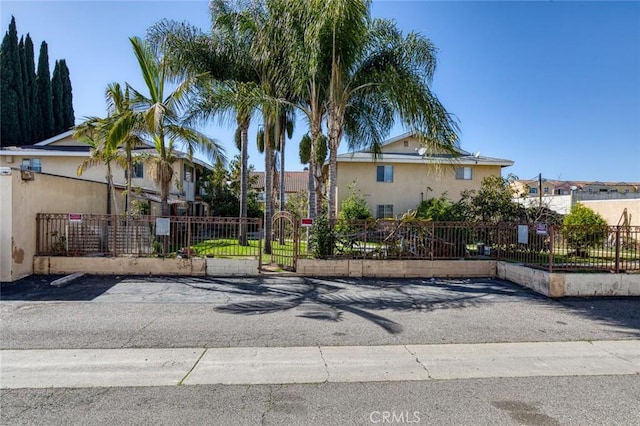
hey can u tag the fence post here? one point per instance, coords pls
(433, 236)
(498, 241)
(114, 227)
(617, 266)
(551, 238)
(38, 234)
(188, 248)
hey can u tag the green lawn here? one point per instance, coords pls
(230, 248)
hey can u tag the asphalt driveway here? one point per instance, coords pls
(123, 312)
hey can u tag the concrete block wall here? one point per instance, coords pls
(601, 284)
(558, 284)
(232, 267)
(119, 265)
(396, 268)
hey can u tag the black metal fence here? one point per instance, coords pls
(111, 235)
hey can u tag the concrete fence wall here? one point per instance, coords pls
(396, 268)
(549, 284)
(570, 284)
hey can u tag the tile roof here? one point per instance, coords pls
(293, 181)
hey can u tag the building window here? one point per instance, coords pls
(33, 164)
(464, 173)
(533, 190)
(384, 211)
(614, 190)
(138, 171)
(546, 189)
(626, 191)
(187, 174)
(384, 174)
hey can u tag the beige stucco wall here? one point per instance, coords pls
(611, 210)
(44, 194)
(6, 215)
(411, 183)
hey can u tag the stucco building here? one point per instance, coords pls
(405, 174)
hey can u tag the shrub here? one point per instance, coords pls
(353, 209)
(583, 228)
(322, 237)
(441, 210)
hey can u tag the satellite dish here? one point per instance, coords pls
(477, 154)
(422, 150)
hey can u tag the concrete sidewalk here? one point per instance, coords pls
(75, 368)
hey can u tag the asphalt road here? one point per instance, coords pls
(610, 400)
(181, 312)
(134, 312)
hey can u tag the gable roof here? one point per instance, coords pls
(409, 152)
(51, 148)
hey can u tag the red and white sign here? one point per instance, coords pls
(306, 222)
(75, 217)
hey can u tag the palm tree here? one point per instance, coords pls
(97, 133)
(376, 75)
(93, 134)
(240, 100)
(158, 116)
(233, 89)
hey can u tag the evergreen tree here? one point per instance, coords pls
(56, 91)
(31, 91)
(45, 97)
(10, 91)
(68, 118)
(23, 113)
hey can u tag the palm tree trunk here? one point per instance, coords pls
(127, 207)
(334, 124)
(244, 177)
(268, 177)
(279, 134)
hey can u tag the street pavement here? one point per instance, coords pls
(294, 350)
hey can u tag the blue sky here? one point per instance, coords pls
(553, 86)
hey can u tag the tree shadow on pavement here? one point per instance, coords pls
(616, 311)
(323, 300)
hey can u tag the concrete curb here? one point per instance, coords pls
(74, 368)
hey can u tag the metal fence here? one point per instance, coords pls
(570, 248)
(553, 248)
(111, 235)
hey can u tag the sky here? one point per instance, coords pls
(553, 86)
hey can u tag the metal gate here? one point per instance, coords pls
(285, 241)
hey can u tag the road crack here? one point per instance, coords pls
(136, 333)
(418, 361)
(263, 419)
(181, 382)
(326, 366)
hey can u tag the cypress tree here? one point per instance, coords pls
(25, 122)
(10, 126)
(56, 91)
(31, 91)
(45, 98)
(68, 118)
